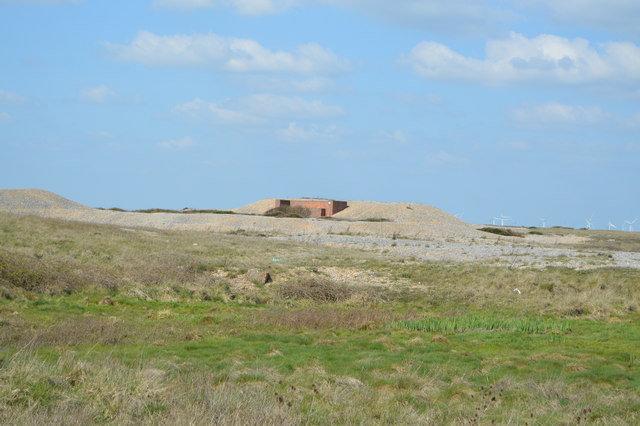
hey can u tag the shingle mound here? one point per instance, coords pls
(385, 219)
(258, 207)
(363, 210)
(395, 212)
(35, 199)
(380, 219)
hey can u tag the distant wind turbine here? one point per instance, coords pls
(493, 222)
(611, 225)
(503, 219)
(544, 222)
(630, 223)
(589, 223)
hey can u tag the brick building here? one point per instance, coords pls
(318, 207)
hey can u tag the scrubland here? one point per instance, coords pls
(103, 324)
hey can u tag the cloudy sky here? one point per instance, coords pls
(524, 108)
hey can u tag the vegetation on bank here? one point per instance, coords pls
(183, 211)
(107, 325)
(502, 231)
(289, 211)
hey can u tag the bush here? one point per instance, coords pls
(289, 211)
(503, 232)
(315, 288)
(32, 274)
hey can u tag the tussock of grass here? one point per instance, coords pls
(466, 323)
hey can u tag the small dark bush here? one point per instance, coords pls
(503, 232)
(535, 233)
(289, 211)
(376, 219)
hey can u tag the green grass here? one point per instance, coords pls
(485, 323)
(107, 325)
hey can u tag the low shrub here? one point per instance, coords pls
(315, 288)
(502, 231)
(35, 275)
(376, 219)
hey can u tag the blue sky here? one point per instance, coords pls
(524, 108)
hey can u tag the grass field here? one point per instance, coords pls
(101, 324)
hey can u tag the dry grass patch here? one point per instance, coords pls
(327, 318)
(30, 273)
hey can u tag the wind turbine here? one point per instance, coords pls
(503, 219)
(630, 223)
(611, 225)
(544, 221)
(493, 222)
(589, 223)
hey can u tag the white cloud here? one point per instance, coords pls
(545, 59)
(612, 15)
(394, 138)
(273, 106)
(214, 52)
(277, 84)
(556, 113)
(515, 145)
(100, 134)
(178, 144)
(209, 112)
(453, 17)
(552, 115)
(243, 7)
(11, 98)
(5, 117)
(38, 1)
(257, 109)
(444, 158)
(296, 133)
(99, 95)
(413, 99)
(185, 4)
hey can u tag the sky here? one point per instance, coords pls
(524, 108)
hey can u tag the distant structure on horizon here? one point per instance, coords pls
(318, 207)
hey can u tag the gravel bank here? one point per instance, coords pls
(414, 231)
(408, 220)
(499, 253)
